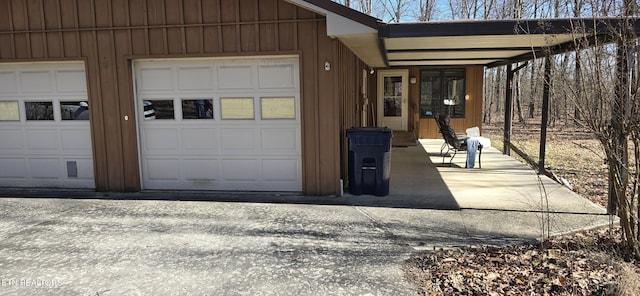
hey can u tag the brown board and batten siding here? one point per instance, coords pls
(108, 35)
(349, 80)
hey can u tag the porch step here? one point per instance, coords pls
(403, 139)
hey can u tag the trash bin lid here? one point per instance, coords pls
(368, 130)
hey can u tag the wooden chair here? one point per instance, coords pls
(452, 142)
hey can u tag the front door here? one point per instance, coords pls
(392, 99)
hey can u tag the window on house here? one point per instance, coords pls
(442, 91)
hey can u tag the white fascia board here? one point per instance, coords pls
(337, 25)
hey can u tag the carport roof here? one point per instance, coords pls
(487, 43)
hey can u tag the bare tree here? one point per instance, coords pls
(610, 109)
(427, 9)
(366, 6)
(394, 10)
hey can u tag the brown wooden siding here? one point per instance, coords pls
(108, 34)
(348, 79)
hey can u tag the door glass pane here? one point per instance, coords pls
(39, 110)
(392, 107)
(393, 96)
(454, 99)
(236, 108)
(9, 111)
(430, 93)
(197, 109)
(74, 110)
(158, 109)
(393, 86)
(278, 108)
(442, 91)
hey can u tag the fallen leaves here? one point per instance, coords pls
(585, 264)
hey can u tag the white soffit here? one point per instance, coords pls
(366, 47)
(466, 50)
(360, 38)
(442, 62)
(480, 41)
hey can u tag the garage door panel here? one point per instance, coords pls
(163, 169)
(156, 79)
(237, 141)
(161, 139)
(280, 170)
(200, 170)
(11, 140)
(45, 168)
(70, 81)
(195, 78)
(13, 168)
(279, 140)
(84, 168)
(200, 140)
(235, 77)
(76, 139)
(42, 139)
(277, 76)
(245, 170)
(8, 83)
(35, 82)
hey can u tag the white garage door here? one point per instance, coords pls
(220, 124)
(45, 138)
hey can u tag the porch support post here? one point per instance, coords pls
(545, 114)
(508, 111)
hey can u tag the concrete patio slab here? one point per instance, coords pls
(502, 183)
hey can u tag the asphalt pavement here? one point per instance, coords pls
(237, 245)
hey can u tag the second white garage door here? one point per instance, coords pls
(220, 124)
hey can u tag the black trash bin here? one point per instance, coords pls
(369, 160)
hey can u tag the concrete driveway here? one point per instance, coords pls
(148, 247)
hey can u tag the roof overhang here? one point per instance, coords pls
(358, 31)
(490, 43)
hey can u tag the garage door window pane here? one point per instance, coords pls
(39, 110)
(197, 109)
(278, 108)
(9, 111)
(74, 110)
(158, 109)
(237, 108)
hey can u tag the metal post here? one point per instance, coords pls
(508, 111)
(545, 114)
